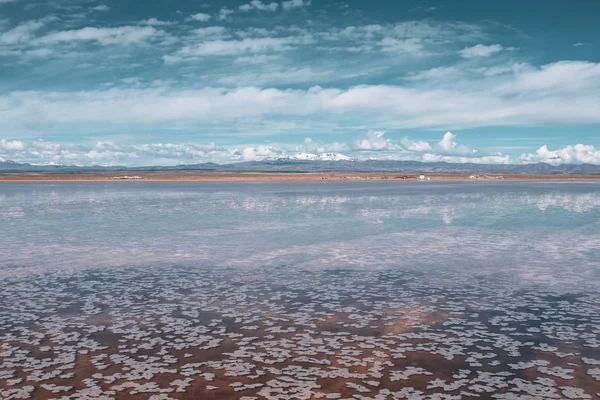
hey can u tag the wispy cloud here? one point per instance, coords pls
(292, 4)
(433, 74)
(212, 32)
(533, 96)
(237, 47)
(480, 50)
(105, 36)
(21, 33)
(155, 22)
(224, 14)
(409, 46)
(101, 8)
(202, 17)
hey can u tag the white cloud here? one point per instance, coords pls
(433, 74)
(414, 38)
(501, 69)
(480, 50)
(292, 4)
(235, 47)
(28, 54)
(257, 59)
(12, 145)
(259, 5)
(39, 53)
(134, 80)
(371, 145)
(372, 140)
(411, 46)
(490, 159)
(22, 33)
(578, 153)
(438, 31)
(276, 76)
(224, 14)
(101, 7)
(447, 146)
(260, 152)
(570, 77)
(533, 96)
(105, 36)
(202, 17)
(156, 22)
(418, 146)
(212, 32)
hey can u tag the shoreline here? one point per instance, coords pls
(283, 177)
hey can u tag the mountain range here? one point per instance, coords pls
(302, 164)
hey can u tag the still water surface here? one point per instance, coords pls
(411, 290)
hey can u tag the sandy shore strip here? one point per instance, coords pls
(193, 176)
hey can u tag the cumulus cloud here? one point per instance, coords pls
(447, 146)
(578, 153)
(480, 50)
(111, 153)
(418, 146)
(11, 144)
(371, 145)
(259, 152)
(372, 140)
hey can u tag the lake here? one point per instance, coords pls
(364, 290)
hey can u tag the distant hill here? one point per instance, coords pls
(327, 163)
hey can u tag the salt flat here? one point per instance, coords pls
(338, 290)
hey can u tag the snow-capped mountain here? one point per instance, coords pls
(315, 157)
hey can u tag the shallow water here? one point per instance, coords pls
(300, 290)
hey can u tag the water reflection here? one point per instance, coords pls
(322, 291)
(575, 203)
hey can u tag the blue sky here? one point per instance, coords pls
(157, 82)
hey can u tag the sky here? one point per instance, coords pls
(156, 82)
